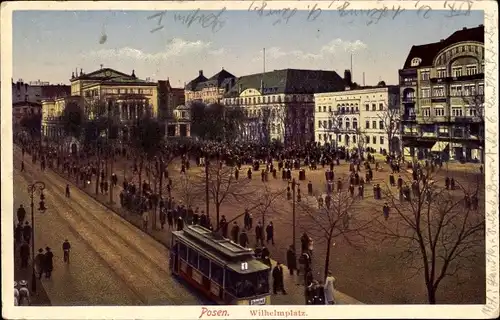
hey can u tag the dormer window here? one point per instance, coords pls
(415, 62)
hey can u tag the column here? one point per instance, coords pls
(188, 129)
(177, 129)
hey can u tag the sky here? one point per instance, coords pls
(50, 45)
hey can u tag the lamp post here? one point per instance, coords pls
(295, 186)
(32, 188)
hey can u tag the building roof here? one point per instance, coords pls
(194, 83)
(108, 75)
(221, 78)
(289, 81)
(427, 52)
(55, 91)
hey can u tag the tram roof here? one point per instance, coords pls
(216, 242)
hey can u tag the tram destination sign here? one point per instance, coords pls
(259, 301)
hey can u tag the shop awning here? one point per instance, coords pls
(439, 146)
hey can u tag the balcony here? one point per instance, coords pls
(409, 117)
(440, 99)
(408, 99)
(345, 112)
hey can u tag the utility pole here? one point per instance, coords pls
(295, 198)
(207, 199)
(32, 188)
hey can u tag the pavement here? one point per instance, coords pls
(112, 262)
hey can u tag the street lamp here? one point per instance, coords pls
(295, 187)
(32, 188)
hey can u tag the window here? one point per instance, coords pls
(425, 75)
(426, 92)
(324, 124)
(204, 265)
(470, 70)
(456, 90)
(354, 139)
(374, 124)
(472, 112)
(438, 92)
(367, 124)
(367, 139)
(374, 107)
(456, 71)
(330, 124)
(469, 90)
(426, 112)
(367, 107)
(340, 138)
(347, 124)
(415, 62)
(354, 124)
(374, 140)
(320, 124)
(324, 108)
(380, 107)
(330, 109)
(439, 112)
(381, 124)
(441, 73)
(456, 112)
(216, 273)
(182, 251)
(480, 89)
(381, 140)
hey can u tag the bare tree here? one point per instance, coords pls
(360, 140)
(334, 215)
(389, 118)
(224, 187)
(475, 120)
(438, 231)
(188, 189)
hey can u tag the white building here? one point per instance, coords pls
(359, 118)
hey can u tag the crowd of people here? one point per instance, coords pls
(139, 197)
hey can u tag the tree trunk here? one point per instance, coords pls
(217, 211)
(98, 174)
(140, 176)
(111, 185)
(431, 294)
(327, 256)
(161, 178)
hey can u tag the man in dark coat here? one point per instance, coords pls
(291, 260)
(48, 263)
(18, 233)
(235, 231)
(304, 240)
(278, 283)
(24, 253)
(258, 235)
(270, 233)
(243, 239)
(21, 214)
(27, 232)
(223, 225)
(386, 211)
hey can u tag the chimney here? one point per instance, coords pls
(72, 75)
(464, 28)
(200, 73)
(81, 72)
(347, 77)
(133, 73)
(101, 66)
(481, 25)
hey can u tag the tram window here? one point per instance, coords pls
(182, 251)
(247, 285)
(193, 258)
(217, 273)
(204, 265)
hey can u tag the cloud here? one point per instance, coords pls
(175, 48)
(217, 52)
(334, 46)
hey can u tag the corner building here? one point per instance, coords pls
(442, 97)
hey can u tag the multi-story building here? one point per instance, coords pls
(210, 90)
(37, 91)
(21, 110)
(105, 91)
(359, 118)
(279, 105)
(168, 99)
(442, 92)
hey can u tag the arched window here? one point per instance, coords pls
(354, 123)
(324, 124)
(347, 124)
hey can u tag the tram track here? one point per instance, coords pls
(147, 277)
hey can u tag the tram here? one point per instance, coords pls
(222, 270)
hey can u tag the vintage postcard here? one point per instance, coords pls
(249, 159)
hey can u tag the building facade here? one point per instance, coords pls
(37, 91)
(21, 110)
(360, 118)
(279, 105)
(442, 92)
(208, 91)
(104, 92)
(169, 98)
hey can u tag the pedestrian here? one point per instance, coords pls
(21, 214)
(224, 226)
(24, 253)
(27, 232)
(66, 247)
(304, 240)
(16, 294)
(270, 233)
(18, 233)
(145, 220)
(278, 283)
(259, 239)
(180, 223)
(330, 289)
(386, 211)
(24, 294)
(49, 263)
(243, 239)
(291, 259)
(22, 165)
(163, 217)
(235, 231)
(39, 263)
(67, 191)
